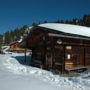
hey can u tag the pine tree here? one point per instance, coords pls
(45, 22)
(86, 20)
(34, 24)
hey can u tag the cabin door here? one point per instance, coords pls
(49, 60)
(87, 55)
(58, 58)
(74, 56)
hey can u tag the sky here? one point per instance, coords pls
(16, 13)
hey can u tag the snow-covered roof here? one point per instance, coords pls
(21, 39)
(68, 28)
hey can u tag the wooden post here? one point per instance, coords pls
(84, 56)
(63, 62)
(53, 53)
(25, 46)
(44, 56)
(25, 52)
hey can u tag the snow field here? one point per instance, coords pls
(72, 83)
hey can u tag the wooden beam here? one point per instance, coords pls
(25, 52)
(84, 56)
(44, 56)
(64, 59)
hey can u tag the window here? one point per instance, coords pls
(68, 56)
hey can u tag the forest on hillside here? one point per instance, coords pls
(14, 35)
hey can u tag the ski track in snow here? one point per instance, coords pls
(71, 83)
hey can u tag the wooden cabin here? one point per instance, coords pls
(14, 47)
(59, 47)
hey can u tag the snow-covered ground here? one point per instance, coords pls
(16, 76)
(5, 49)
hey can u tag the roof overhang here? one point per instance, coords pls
(58, 35)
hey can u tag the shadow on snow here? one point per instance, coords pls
(21, 59)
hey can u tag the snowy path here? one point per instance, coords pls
(15, 76)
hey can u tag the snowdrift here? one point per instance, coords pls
(72, 83)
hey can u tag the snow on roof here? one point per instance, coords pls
(21, 39)
(68, 28)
